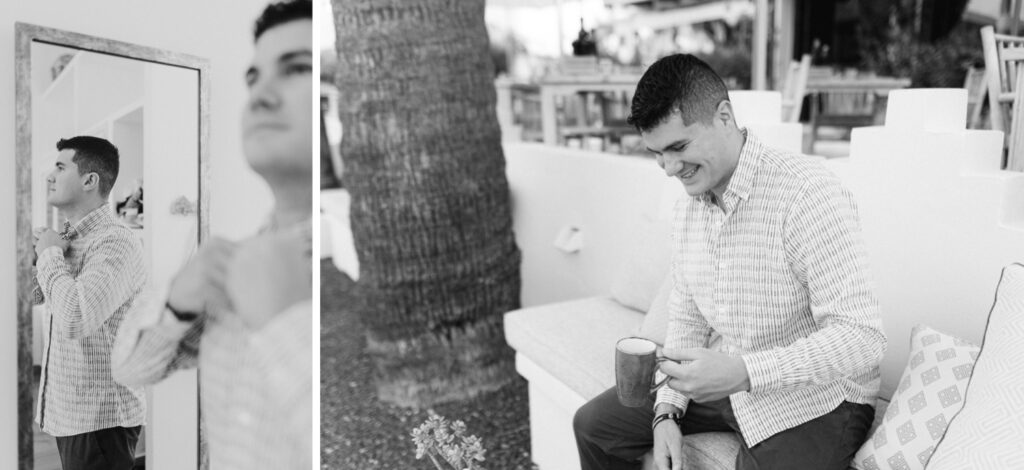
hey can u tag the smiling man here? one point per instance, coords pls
(768, 257)
(89, 276)
(241, 311)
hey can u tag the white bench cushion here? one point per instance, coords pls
(574, 341)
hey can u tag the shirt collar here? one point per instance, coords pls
(742, 180)
(99, 216)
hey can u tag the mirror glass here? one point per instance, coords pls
(151, 112)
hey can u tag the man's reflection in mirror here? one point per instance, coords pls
(241, 311)
(90, 275)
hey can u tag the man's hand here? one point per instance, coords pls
(708, 376)
(668, 442)
(45, 238)
(200, 285)
(268, 274)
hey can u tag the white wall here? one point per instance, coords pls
(603, 195)
(939, 219)
(127, 136)
(169, 173)
(218, 30)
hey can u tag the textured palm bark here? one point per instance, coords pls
(430, 210)
(328, 177)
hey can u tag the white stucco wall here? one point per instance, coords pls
(219, 30)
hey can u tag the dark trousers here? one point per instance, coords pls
(105, 449)
(610, 436)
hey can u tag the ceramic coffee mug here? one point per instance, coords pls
(636, 360)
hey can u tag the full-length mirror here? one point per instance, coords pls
(151, 105)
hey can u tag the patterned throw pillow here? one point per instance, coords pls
(929, 395)
(989, 432)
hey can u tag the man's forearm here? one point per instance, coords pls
(834, 352)
(81, 305)
(662, 408)
(151, 344)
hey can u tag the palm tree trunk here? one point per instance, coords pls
(430, 208)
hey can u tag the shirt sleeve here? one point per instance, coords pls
(687, 327)
(80, 305)
(826, 252)
(36, 295)
(152, 343)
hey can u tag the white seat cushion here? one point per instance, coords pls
(574, 341)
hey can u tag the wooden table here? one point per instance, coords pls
(879, 85)
(849, 101)
(553, 86)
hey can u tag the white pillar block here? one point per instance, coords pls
(782, 135)
(983, 150)
(927, 109)
(762, 107)
(334, 207)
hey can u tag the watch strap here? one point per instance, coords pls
(675, 417)
(183, 316)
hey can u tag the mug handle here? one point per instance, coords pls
(660, 357)
(657, 386)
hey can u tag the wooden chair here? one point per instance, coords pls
(1015, 151)
(794, 88)
(1004, 55)
(975, 83)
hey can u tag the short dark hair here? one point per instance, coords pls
(94, 155)
(282, 12)
(679, 82)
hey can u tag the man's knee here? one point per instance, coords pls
(584, 421)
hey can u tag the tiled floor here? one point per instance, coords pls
(46, 457)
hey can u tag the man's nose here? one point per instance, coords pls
(263, 94)
(672, 166)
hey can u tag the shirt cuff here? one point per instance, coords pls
(763, 370)
(670, 396)
(157, 318)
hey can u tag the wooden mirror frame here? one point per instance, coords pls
(25, 34)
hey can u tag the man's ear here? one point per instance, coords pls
(91, 181)
(724, 113)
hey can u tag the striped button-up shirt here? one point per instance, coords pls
(89, 289)
(256, 386)
(781, 274)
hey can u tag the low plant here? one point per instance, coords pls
(447, 445)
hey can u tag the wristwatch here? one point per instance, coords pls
(675, 417)
(183, 316)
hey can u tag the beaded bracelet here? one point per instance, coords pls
(675, 417)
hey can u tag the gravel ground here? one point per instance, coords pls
(359, 432)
